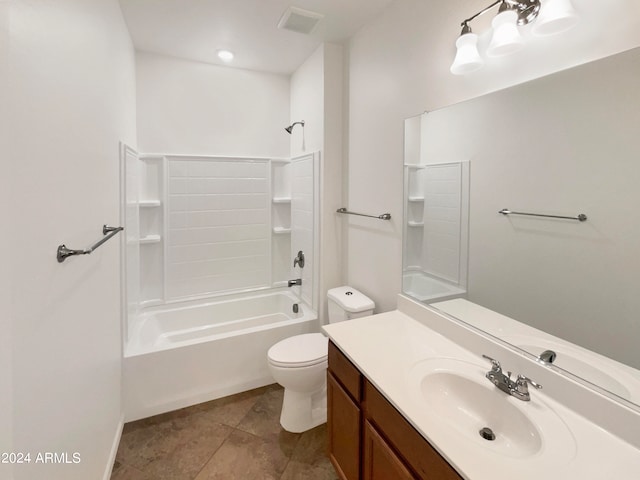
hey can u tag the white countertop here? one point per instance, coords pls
(387, 346)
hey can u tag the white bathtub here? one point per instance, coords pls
(188, 353)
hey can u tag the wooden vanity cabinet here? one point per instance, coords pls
(368, 438)
(344, 392)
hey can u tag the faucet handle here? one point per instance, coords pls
(495, 364)
(523, 380)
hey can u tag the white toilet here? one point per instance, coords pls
(299, 364)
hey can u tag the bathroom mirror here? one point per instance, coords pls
(564, 145)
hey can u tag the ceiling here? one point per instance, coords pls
(196, 29)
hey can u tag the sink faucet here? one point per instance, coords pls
(548, 356)
(518, 388)
(297, 281)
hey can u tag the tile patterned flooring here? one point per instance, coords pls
(232, 438)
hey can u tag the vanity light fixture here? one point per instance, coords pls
(547, 17)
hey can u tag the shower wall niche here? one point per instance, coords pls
(210, 226)
(152, 239)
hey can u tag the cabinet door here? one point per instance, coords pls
(343, 430)
(379, 461)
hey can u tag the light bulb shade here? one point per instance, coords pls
(506, 38)
(556, 16)
(467, 57)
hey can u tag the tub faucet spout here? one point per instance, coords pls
(297, 281)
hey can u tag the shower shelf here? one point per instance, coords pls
(149, 239)
(416, 199)
(151, 302)
(149, 203)
(415, 224)
(281, 200)
(281, 230)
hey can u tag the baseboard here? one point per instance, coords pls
(114, 449)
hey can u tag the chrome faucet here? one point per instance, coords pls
(518, 388)
(297, 281)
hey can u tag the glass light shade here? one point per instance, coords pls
(506, 38)
(225, 55)
(556, 16)
(467, 57)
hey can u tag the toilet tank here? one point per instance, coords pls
(346, 303)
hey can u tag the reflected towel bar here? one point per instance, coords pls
(108, 232)
(581, 217)
(384, 216)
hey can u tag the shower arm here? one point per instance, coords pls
(289, 129)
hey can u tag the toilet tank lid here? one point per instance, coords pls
(351, 299)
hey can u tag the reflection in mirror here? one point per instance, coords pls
(561, 145)
(436, 221)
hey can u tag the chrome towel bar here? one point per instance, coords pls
(581, 217)
(108, 232)
(384, 216)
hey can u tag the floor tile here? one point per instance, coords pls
(263, 420)
(245, 456)
(312, 446)
(190, 443)
(125, 472)
(176, 448)
(232, 409)
(200, 442)
(303, 471)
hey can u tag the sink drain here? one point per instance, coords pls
(487, 434)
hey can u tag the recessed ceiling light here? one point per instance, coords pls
(225, 55)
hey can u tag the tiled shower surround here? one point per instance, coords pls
(218, 226)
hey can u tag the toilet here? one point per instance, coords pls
(299, 363)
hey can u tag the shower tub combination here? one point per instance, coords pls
(189, 352)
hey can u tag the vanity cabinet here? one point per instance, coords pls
(368, 438)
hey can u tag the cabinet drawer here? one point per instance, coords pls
(346, 373)
(410, 445)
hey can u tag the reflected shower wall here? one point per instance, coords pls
(436, 221)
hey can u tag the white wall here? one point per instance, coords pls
(71, 101)
(399, 67)
(316, 98)
(6, 376)
(187, 107)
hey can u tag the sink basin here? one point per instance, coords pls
(464, 404)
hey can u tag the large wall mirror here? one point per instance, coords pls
(566, 290)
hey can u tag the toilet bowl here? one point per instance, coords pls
(299, 364)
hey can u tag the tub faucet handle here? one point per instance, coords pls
(297, 281)
(299, 260)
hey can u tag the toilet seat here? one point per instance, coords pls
(299, 351)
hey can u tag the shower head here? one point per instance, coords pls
(290, 127)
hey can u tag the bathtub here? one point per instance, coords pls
(182, 354)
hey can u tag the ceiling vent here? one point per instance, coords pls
(299, 20)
